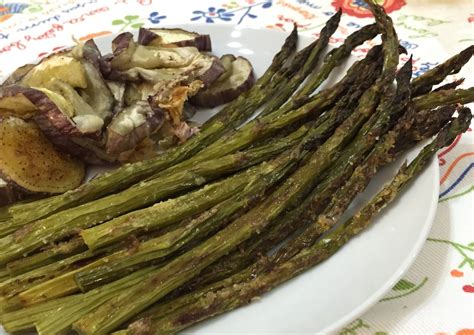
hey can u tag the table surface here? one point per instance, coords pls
(436, 296)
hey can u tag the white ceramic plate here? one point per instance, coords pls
(336, 292)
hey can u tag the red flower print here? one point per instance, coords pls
(359, 8)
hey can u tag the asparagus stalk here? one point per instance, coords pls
(369, 99)
(424, 83)
(445, 97)
(265, 126)
(251, 250)
(333, 59)
(279, 230)
(53, 323)
(27, 318)
(108, 233)
(105, 319)
(316, 48)
(54, 253)
(23, 320)
(388, 108)
(4, 214)
(228, 118)
(426, 124)
(232, 296)
(450, 86)
(252, 131)
(293, 156)
(4, 274)
(155, 249)
(61, 224)
(10, 288)
(305, 146)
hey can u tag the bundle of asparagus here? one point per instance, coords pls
(156, 246)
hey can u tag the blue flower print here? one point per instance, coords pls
(360, 3)
(155, 17)
(213, 14)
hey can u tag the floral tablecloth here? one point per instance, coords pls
(436, 296)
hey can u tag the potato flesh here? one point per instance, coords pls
(30, 161)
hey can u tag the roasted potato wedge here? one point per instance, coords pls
(29, 163)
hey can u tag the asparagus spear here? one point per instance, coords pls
(23, 320)
(424, 83)
(247, 134)
(54, 253)
(333, 59)
(305, 147)
(204, 225)
(61, 224)
(4, 274)
(51, 323)
(316, 48)
(155, 249)
(265, 126)
(426, 124)
(254, 130)
(252, 247)
(229, 117)
(14, 285)
(232, 296)
(445, 97)
(389, 107)
(251, 250)
(450, 86)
